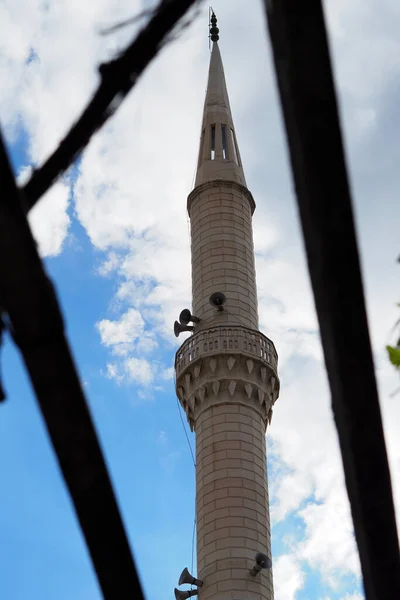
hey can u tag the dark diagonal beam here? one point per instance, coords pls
(308, 99)
(117, 78)
(28, 298)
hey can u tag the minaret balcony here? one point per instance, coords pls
(226, 364)
(223, 339)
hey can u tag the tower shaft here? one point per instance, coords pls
(222, 250)
(232, 494)
(227, 383)
(226, 372)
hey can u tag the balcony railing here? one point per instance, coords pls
(234, 340)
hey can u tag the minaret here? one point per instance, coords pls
(226, 372)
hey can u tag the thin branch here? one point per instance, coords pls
(127, 22)
(118, 77)
(34, 317)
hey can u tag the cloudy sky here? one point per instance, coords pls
(115, 238)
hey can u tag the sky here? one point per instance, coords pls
(114, 235)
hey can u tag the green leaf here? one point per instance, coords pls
(394, 356)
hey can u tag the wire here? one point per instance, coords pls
(186, 434)
(194, 464)
(188, 231)
(194, 531)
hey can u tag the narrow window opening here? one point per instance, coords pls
(235, 153)
(201, 146)
(224, 142)
(212, 142)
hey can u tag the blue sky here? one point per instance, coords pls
(115, 240)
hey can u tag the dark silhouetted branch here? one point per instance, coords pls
(28, 298)
(117, 79)
(122, 24)
(308, 99)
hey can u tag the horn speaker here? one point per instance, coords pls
(186, 317)
(178, 328)
(180, 595)
(262, 562)
(186, 577)
(217, 300)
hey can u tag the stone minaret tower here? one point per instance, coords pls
(226, 372)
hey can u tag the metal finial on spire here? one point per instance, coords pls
(214, 31)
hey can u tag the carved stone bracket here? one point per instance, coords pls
(227, 339)
(227, 378)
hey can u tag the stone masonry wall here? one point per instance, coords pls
(222, 251)
(232, 503)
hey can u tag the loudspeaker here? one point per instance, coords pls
(179, 595)
(186, 577)
(217, 300)
(178, 328)
(186, 317)
(262, 562)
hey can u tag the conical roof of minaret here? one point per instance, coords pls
(219, 156)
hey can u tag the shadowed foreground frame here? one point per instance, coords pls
(27, 298)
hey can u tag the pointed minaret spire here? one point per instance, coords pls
(219, 156)
(214, 31)
(220, 208)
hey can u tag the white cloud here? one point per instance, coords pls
(168, 373)
(113, 372)
(265, 235)
(122, 332)
(329, 544)
(131, 194)
(147, 343)
(127, 337)
(139, 370)
(109, 265)
(132, 370)
(288, 578)
(152, 236)
(49, 219)
(365, 51)
(162, 437)
(46, 93)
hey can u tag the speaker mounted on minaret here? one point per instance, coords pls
(182, 595)
(178, 328)
(186, 577)
(262, 562)
(185, 318)
(217, 300)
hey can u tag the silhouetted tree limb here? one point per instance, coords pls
(308, 99)
(117, 78)
(37, 326)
